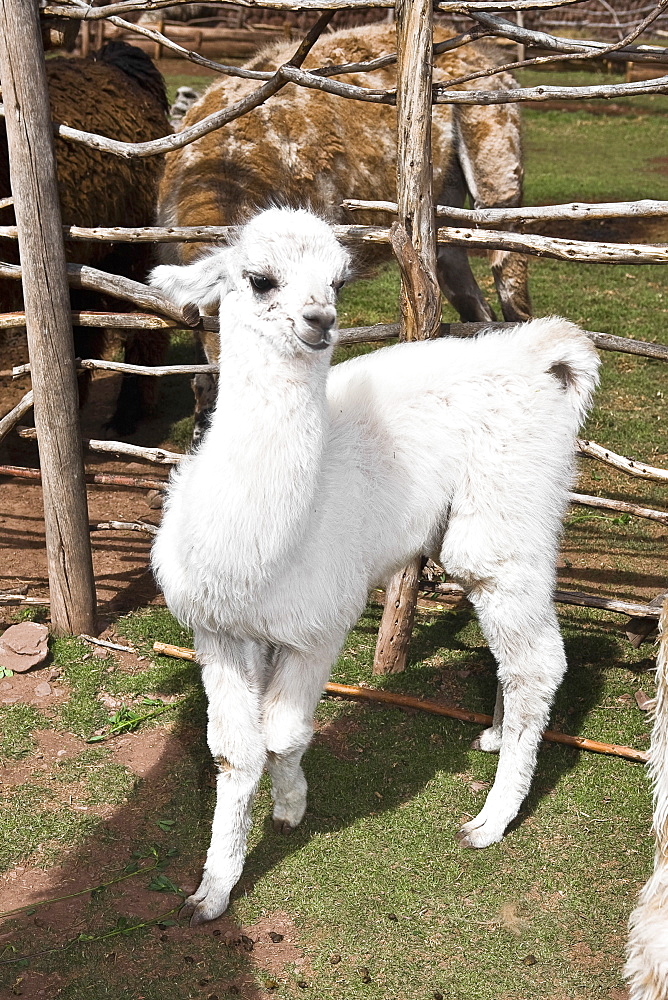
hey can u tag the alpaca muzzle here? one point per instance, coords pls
(318, 330)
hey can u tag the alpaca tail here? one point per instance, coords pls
(567, 353)
(647, 949)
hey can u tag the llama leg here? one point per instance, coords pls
(290, 702)
(490, 739)
(489, 149)
(233, 676)
(455, 276)
(524, 637)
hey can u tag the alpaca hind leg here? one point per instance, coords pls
(490, 739)
(290, 701)
(233, 676)
(522, 632)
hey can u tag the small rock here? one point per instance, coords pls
(42, 690)
(643, 702)
(53, 675)
(275, 937)
(154, 499)
(334, 959)
(529, 960)
(24, 646)
(100, 653)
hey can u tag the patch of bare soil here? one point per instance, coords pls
(337, 736)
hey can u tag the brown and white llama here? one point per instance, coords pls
(306, 147)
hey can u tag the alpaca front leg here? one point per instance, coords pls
(232, 673)
(290, 702)
(531, 664)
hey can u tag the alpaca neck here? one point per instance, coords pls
(264, 447)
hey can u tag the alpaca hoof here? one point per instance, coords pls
(489, 740)
(207, 903)
(282, 826)
(479, 833)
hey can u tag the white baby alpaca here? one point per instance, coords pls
(315, 484)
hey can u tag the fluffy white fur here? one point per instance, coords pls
(647, 950)
(315, 484)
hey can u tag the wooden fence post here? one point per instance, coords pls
(47, 308)
(414, 243)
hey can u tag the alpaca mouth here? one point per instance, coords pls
(318, 340)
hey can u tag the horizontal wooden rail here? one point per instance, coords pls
(572, 212)
(81, 276)
(83, 10)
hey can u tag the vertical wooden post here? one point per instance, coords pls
(414, 241)
(48, 323)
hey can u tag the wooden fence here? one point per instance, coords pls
(414, 238)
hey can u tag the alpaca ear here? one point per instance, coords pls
(203, 283)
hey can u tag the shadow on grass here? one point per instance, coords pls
(387, 759)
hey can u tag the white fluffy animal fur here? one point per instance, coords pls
(647, 950)
(313, 485)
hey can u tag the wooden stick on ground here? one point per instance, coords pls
(434, 708)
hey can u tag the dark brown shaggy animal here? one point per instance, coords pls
(119, 93)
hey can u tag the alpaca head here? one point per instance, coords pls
(279, 278)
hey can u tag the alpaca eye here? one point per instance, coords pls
(261, 283)
(338, 285)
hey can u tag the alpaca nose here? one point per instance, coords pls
(322, 317)
(320, 320)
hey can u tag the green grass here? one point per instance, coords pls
(17, 725)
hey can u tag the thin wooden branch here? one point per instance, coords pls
(628, 465)
(21, 599)
(194, 57)
(548, 93)
(574, 212)
(141, 526)
(619, 505)
(11, 419)
(139, 234)
(157, 455)
(83, 11)
(577, 212)
(95, 479)
(208, 124)
(575, 597)
(92, 364)
(121, 321)
(555, 248)
(435, 708)
(568, 57)
(555, 43)
(83, 276)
